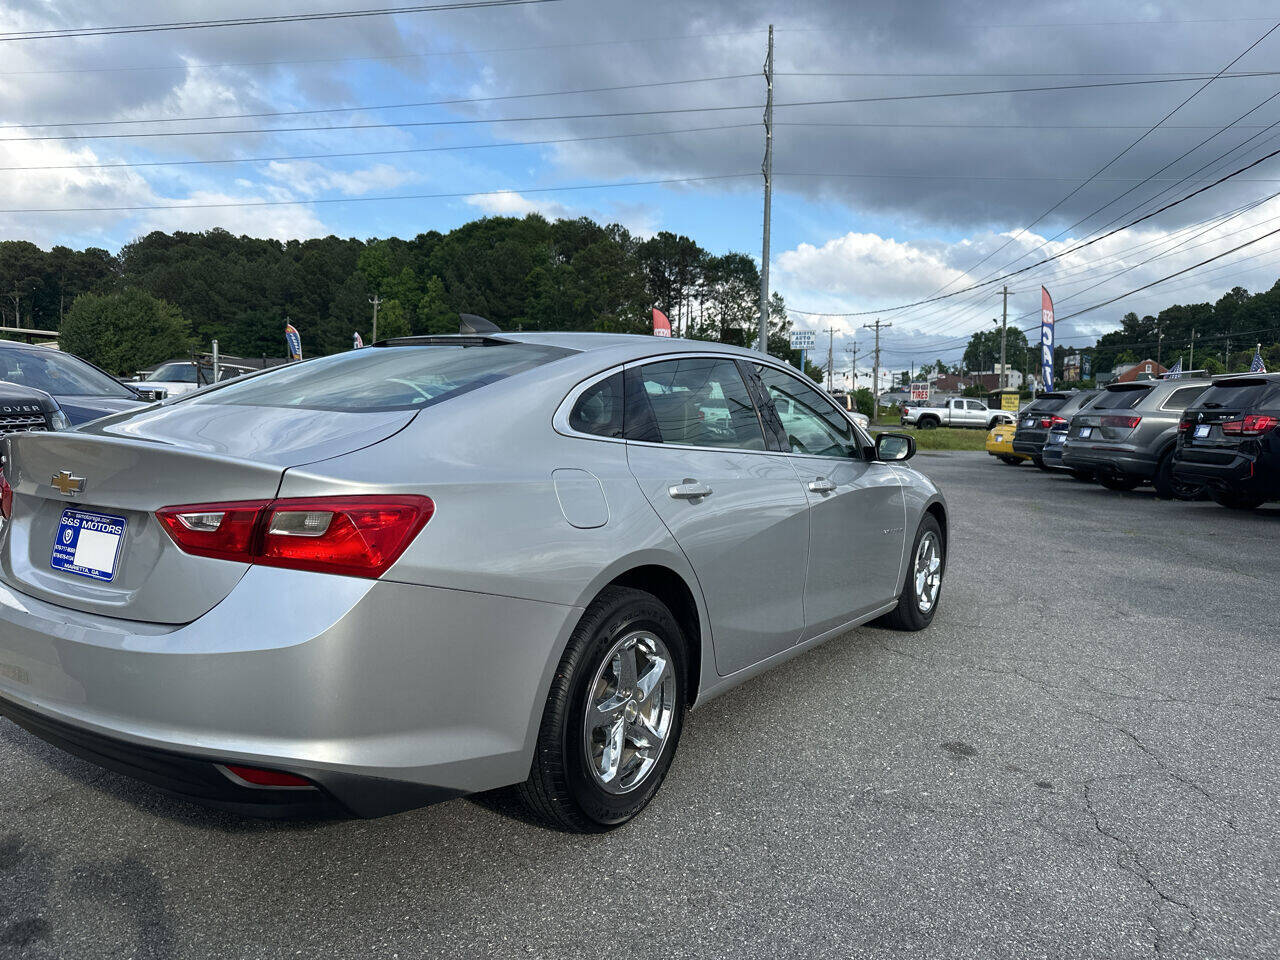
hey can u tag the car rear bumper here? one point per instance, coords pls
(384, 695)
(1230, 469)
(1114, 462)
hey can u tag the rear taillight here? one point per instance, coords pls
(257, 777)
(1251, 426)
(356, 536)
(1185, 425)
(1124, 423)
(6, 496)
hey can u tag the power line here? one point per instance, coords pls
(582, 116)
(387, 58)
(67, 32)
(1062, 253)
(381, 106)
(378, 199)
(379, 153)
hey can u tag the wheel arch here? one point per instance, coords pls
(938, 510)
(675, 585)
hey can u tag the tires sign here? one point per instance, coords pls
(919, 392)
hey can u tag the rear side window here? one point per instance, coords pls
(599, 409)
(374, 379)
(1181, 399)
(698, 402)
(1120, 399)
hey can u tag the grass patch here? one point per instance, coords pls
(940, 438)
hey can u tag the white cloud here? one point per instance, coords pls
(310, 179)
(868, 267)
(508, 203)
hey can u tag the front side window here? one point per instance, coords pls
(813, 425)
(975, 405)
(699, 402)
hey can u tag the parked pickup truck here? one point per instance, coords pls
(954, 413)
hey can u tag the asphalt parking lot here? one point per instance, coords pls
(1078, 759)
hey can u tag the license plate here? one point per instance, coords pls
(999, 438)
(1057, 437)
(88, 544)
(1028, 422)
(1086, 432)
(1202, 430)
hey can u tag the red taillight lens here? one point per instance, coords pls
(6, 497)
(356, 536)
(1185, 425)
(1125, 423)
(359, 536)
(268, 778)
(1251, 426)
(224, 531)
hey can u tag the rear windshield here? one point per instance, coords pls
(1046, 405)
(375, 379)
(1120, 399)
(1236, 396)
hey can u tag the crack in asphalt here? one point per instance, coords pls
(1127, 859)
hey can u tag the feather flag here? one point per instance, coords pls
(292, 342)
(661, 325)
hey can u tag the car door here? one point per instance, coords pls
(738, 511)
(857, 510)
(975, 414)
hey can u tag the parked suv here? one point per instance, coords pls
(1230, 441)
(1127, 436)
(1050, 410)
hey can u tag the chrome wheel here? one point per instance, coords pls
(629, 712)
(928, 571)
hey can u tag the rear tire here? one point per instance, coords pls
(1118, 483)
(1169, 487)
(564, 790)
(1039, 462)
(913, 612)
(1234, 500)
(1011, 461)
(927, 423)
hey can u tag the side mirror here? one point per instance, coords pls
(895, 446)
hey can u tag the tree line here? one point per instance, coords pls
(165, 295)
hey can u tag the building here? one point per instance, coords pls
(1142, 370)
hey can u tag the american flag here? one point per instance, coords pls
(1175, 372)
(1257, 366)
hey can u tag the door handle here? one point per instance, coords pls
(821, 485)
(688, 489)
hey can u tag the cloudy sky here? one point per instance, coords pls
(877, 203)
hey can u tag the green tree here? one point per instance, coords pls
(125, 332)
(393, 320)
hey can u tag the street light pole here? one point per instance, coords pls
(767, 170)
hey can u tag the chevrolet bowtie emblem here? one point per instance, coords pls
(66, 483)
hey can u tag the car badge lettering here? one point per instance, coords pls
(67, 483)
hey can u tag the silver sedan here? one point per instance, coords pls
(441, 565)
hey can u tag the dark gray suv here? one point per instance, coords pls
(1127, 435)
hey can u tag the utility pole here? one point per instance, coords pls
(767, 169)
(875, 369)
(377, 302)
(1004, 330)
(1159, 341)
(852, 351)
(831, 362)
(1191, 365)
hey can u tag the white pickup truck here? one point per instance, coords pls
(954, 413)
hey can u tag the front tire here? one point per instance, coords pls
(1011, 461)
(922, 590)
(613, 715)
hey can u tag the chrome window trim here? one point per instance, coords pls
(560, 419)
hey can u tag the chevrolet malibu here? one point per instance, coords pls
(443, 565)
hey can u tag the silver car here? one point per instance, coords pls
(442, 565)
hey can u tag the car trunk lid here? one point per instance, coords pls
(83, 532)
